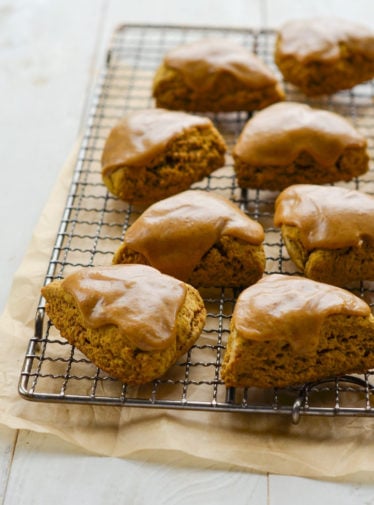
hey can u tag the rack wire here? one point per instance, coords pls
(94, 222)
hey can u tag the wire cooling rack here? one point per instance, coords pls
(94, 222)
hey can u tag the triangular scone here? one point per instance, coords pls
(323, 55)
(288, 330)
(130, 320)
(214, 75)
(328, 232)
(291, 143)
(154, 153)
(199, 237)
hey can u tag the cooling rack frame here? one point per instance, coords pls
(94, 222)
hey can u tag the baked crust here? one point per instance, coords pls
(293, 143)
(345, 346)
(340, 267)
(353, 162)
(230, 262)
(288, 330)
(213, 75)
(110, 349)
(193, 150)
(199, 237)
(328, 232)
(324, 55)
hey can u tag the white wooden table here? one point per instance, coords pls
(50, 54)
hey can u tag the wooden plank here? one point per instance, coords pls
(241, 13)
(196, 12)
(47, 470)
(8, 439)
(285, 490)
(47, 50)
(51, 52)
(279, 11)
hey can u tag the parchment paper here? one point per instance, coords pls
(329, 448)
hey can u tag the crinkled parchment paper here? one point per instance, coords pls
(332, 448)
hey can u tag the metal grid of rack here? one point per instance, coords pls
(94, 222)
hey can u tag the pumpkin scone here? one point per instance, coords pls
(324, 55)
(199, 237)
(130, 320)
(293, 143)
(328, 232)
(216, 75)
(288, 330)
(154, 153)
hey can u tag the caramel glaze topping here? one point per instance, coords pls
(328, 217)
(174, 233)
(203, 62)
(320, 39)
(142, 135)
(280, 307)
(139, 300)
(278, 134)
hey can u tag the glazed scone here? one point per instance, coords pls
(199, 237)
(151, 154)
(325, 55)
(288, 330)
(216, 75)
(130, 320)
(293, 143)
(328, 232)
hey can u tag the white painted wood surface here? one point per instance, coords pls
(50, 53)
